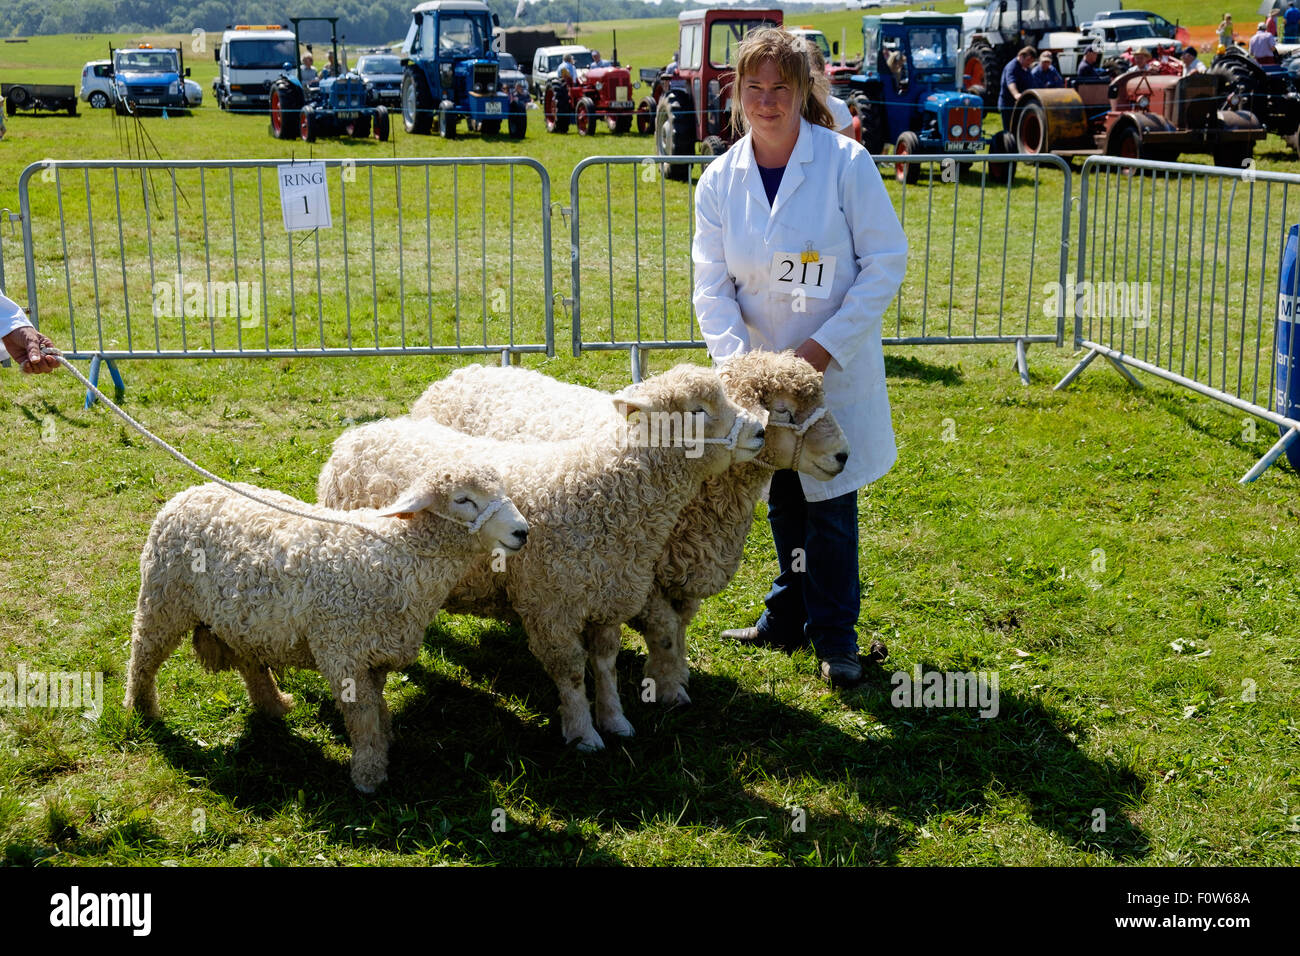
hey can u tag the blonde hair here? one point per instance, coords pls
(790, 56)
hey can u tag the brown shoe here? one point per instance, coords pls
(751, 635)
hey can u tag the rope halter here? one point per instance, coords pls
(800, 431)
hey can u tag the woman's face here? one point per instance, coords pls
(769, 103)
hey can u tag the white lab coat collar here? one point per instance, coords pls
(790, 179)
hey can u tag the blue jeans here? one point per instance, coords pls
(817, 595)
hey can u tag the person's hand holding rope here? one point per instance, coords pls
(25, 346)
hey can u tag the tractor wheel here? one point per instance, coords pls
(1233, 155)
(619, 123)
(713, 146)
(490, 127)
(447, 119)
(417, 103)
(585, 117)
(517, 121)
(1240, 74)
(555, 107)
(1031, 130)
(645, 115)
(286, 101)
(872, 124)
(1125, 141)
(908, 144)
(308, 124)
(675, 132)
(98, 100)
(358, 128)
(1003, 142)
(382, 124)
(983, 73)
(19, 97)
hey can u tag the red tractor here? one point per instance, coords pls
(696, 108)
(600, 92)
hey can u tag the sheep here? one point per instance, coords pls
(705, 548)
(600, 508)
(263, 589)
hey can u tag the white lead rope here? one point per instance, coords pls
(800, 431)
(471, 526)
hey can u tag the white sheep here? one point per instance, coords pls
(264, 589)
(599, 507)
(705, 547)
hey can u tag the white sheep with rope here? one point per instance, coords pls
(297, 585)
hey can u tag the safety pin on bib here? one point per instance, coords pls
(809, 254)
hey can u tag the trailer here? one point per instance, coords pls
(49, 97)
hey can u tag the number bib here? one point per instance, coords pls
(792, 272)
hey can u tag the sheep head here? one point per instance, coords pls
(474, 497)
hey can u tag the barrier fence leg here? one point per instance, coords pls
(94, 379)
(1119, 367)
(1262, 465)
(1074, 372)
(638, 364)
(1022, 361)
(119, 386)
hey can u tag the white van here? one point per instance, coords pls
(546, 63)
(249, 59)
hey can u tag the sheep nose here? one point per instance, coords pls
(842, 457)
(522, 535)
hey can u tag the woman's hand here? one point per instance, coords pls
(812, 353)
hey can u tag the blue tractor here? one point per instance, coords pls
(910, 92)
(450, 72)
(333, 104)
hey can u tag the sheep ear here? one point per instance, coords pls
(409, 503)
(627, 405)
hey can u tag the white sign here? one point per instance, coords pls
(304, 196)
(807, 272)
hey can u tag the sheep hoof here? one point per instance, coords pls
(674, 696)
(618, 725)
(590, 743)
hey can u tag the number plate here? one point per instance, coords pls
(492, 109)
(959, 147)
(149, 100)
(348, 114)
(620, 105)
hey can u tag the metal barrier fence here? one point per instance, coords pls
(996, 247)
(152, 259)
(1177, 275)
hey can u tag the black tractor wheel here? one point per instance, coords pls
(584, 115)
(556, 107)
(447, 119)
(490, 127)
(645, 115)
(982, 69)
(517, 121)
(382, 124)
(871, 124)
(98, 100)
(358, 128)
(417, 103)
(713, 146)
(675, 132)
(19, 96)
(1031, 130)
(1126, 141)
(908, 144)
(1240, 73)
(286, 101)
(308, 124)
(1003, 142)
(1233, 155)
(619, 123)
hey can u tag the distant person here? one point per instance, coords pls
(1015, 81)
(308, 71)
(1141, 59)
(1270, 22)
(1226, 31)
(1192, 61)
(567, 71)
(22, 341)
(839, 109)
(1291, 23)
(1045, 76)
(596, 61)
(672, 64)
(1263, 46)
(331, 68)
(1089, 66)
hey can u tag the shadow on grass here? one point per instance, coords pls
(905, 366)
(709, 774)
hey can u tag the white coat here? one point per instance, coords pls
(830, 195)
(12, 316)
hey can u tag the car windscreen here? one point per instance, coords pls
(933, 48)
(1134, 32)
(145, 61)
(507, 62)
(370, 65)
(261, 54)
(461, 35)
(725, 36)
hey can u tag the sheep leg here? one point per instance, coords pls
(361, 702)
(603, 643)
(565, 661)
(154, 635)
(378, 677)
(664, 629)
(263, 690)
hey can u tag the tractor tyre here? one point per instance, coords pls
(871, 122)
(1032, 134)
(447, 119)
(619, 123)
(417, 103)
(1233, 155)
(645, 115)
(1003, 142)
(358, 128)
(713, 146)
(19, 96)
(382, 124)
(286, 101)
(308, 124)
(98, 100)
(1240, 73)
(517, 121)
(490, 127)
(1126, 141)
(584, 116)
(908, 144)
(675, 132)
(556, 107)
(983, 73)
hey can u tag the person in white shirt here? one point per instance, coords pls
(788, 196)
(1191, 61)
(22, 342)
(839, 109)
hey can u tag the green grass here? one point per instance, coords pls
(1064, 540)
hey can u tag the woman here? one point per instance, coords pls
(797, 247)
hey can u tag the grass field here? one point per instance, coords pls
(1091, 547)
